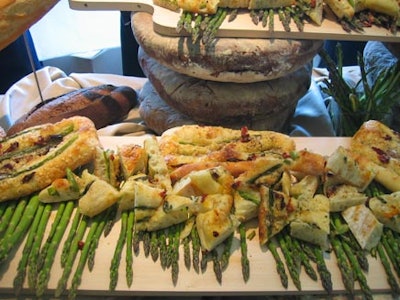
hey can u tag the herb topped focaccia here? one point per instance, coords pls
(378, 147)
(32, 159)
(194, 143)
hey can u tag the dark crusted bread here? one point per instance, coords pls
(263, 105)
(103, 104)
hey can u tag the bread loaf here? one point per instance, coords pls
(240, 60)
(103, 104)
(16, 16)
(258, 105)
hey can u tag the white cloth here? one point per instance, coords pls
(310, 117)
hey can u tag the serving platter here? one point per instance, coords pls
(165, 22)
(149, 278)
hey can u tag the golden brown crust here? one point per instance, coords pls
(16, 16)
(83, 141)
(193, 143)
(377, 143)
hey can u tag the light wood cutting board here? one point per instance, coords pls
(165, 22)
(150, 279)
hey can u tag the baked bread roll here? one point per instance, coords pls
(241, 60)
(103, 104)
(16, 16)
(259, 105)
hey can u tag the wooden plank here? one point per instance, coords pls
(165, 22)
(150, 279)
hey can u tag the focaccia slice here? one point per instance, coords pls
(194, 143)
(378, 146)
(32, 159)
(386, 209)
(216, 223)
(276, 210)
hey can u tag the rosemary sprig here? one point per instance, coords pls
(362, 102)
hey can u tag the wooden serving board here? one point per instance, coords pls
(150, 279)
(165, 22)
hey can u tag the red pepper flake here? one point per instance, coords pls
(244, 135)
(382, 155)
(286, 155)
(387, 138)
(81, 244)
(215, 234)
(28, 177)
(13, 146)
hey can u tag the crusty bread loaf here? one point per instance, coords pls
(258, 105)
(241, 60)
(103, 104)
(157, 114)
(16, 16)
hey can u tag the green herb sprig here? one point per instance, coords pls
(363, 101)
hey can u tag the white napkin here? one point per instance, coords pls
(310, 117)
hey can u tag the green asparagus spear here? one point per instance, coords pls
(70, 238)
(53, 244)
(137, 237)
(196, 30)
(77, 277)
(154, 246)
(280, 267)
(357, 271)
(226, 253)
(303, 258)
(213, 26)
(187, 24)
(393, 256)
(162, 239)
(205, 257)
(3, 207)
(293, 269)
(323, 271)
(360, 254)
(343, 264)
(391, 279)
(195, 249)
(271, 24)
(217, 265)
(34, 254)
(254, 17)
(146, 237)
(7, 215)
(181, 21)
(129, 248)
(95, 240)
(14, 238)
(118, 250)
(62, 282)
(264, 18)
(233, 15)
(244, 259)
(111, 219)
(15, 217)
(284, 20)
(175, 253)
(54, 226)
(186, 252)
(23, 263)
